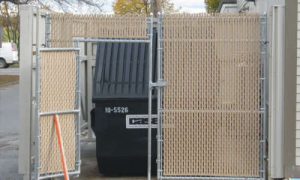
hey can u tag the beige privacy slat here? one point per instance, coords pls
(50, 157)
(58, 79)
(64, 27)
(211, 103)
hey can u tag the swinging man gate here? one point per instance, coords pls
(212, 113)
(211, 89)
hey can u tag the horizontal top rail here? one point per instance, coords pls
(59, 112)
(59, 49)
(209, 178)
(211, 111)
(114, 40)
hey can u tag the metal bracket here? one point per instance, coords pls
(265, 43)
(159, 84)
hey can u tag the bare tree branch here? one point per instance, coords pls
(98, 5)
(16, 1)
(92, 3)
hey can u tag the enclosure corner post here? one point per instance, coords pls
(26, 65)
(277, 93)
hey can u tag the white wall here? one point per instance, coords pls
(260, 6)
(229, 8)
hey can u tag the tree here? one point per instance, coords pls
(16, 1)
(67, 5)
(61, 2)
(10, 22)
(212, 5)
(123, 7)
(63, 5)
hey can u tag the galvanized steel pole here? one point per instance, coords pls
(277, 92)
(159, 93)
(150, 35)
(264, 84)
(37, 100)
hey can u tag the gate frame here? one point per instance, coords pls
(160, 84)
(38, 114)
(77, 40)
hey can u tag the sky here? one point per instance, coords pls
(190, 6)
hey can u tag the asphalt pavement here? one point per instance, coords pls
(9, 71)
(9, 128)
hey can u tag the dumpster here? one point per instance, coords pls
(119, 119)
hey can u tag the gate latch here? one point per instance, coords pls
(160, 83)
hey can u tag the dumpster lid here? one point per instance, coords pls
(121, 70)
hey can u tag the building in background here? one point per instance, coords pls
(228, 6)
(242, 6)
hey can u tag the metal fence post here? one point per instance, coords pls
(263, 90)
(150, 36)
(78, 106)
(26, 41)
(48, 30)
(37, 100)
(277, 92)
(159, 95)
(90, 63)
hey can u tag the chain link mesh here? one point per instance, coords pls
(211, 111)
(58, 81)
(66, 27)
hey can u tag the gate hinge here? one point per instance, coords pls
(159, 83)
(265, 42)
